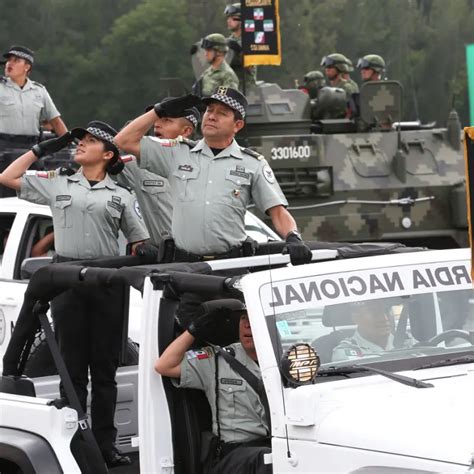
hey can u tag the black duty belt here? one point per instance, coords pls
(183, 256)
(60, 259)
(19, 139)
(226, 448)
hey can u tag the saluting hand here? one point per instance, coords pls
(175, 107)
(52, 146)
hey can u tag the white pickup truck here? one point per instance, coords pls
(22, 224)
(337, 403)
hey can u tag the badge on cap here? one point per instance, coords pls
(222, 90)
(268, 174)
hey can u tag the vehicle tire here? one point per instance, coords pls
(40, 361)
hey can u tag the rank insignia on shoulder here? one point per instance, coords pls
(252, 153)
(167, 142)
(37, 84)
(187, 141)
(120, 185)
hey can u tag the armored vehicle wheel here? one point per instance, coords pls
(40, 362)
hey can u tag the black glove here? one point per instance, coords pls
(147, 251)
(176, 107)
(202, 325)
(298, 250)
(234, 46)
(52, 146)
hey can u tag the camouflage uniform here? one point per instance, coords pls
(346, 86)
(223, 75)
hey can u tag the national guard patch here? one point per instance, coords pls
(138, 211)
(117, 199)
(187, 168)
(202, 354)
(268, 174)
(240, 172)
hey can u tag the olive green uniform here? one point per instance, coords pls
(346, 86)
(153, 196)
(241, 413)
(23, 109)
(86, 219)
(210, 193)
(354, 86)
(212, 78)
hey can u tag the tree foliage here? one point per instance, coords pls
(106, 59)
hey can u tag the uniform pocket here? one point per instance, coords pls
(6, 106)
(62, 211)
(187, 184)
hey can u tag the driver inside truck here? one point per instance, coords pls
(374, 333)
(240, 427)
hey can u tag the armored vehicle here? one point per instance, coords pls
(372, 177)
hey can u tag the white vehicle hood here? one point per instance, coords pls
(377, 414)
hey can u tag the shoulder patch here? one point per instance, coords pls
(166, 142)
(38, 84)
(42, 174)
(128, 158)
(204, 353)
(128, 188)
(252, 153)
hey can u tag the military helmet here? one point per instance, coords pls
(372, 61)
(348, 63)
(335, 60)
(215, 41)
(233, 10)
(313, 81)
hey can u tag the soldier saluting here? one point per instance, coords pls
(213, 180)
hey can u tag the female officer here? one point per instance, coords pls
(88, 210)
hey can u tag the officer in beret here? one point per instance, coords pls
(88, 210)
(24, 103)
(152, 191)
(240, 422)
(213, 180)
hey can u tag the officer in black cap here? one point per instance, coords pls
(213, 180)
(25, 103)
(88, 210)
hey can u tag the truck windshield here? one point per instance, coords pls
(374, 315)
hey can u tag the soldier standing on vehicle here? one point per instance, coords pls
(247, 76)
(24, 103)
(88, 210)
(219, 73)
(239, 419)
(346, 75)
(213, 180)
(152, 191)
(313, 81)
(335, 65)
(372, 67)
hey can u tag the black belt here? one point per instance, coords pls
(183, 256)
(60, 259)
(226, 448)
(19, 139)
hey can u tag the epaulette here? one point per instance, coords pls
(37, 84)
(128, 188)
(252, 153)
(66, 171)
(127, 158)
(3, 79)
(187, 141)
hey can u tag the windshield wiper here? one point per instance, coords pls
(353, 369)
(446, 362)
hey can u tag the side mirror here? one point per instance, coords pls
(30, 265)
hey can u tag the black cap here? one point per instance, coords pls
(21, 52)
(192, 114)
(230, 97)
(101, 130)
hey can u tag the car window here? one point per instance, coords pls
(6, 222)
(374, 315)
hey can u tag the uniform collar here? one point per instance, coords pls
(28, 84)
(232, 150)
(107, 182)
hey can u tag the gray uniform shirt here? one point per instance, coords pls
(241, 413)
(153, 195)
(23, 109)
(86, 219)
(210, 193)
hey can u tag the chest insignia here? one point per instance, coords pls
(153, 182)
(116, 199)
(63, 197)
(187, 168)
(240, 172)
(225, 381)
